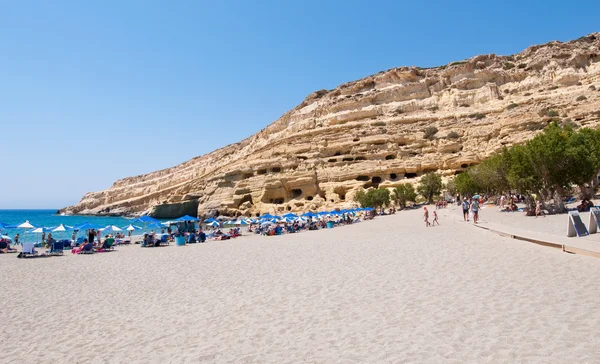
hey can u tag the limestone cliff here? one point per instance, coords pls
(371, 132)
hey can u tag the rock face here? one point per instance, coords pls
(373, 132)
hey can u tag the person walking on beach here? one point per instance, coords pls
(475, 210)
(17, 237)
(435, 219)
(426, 216)
(465, 207)
(91, 235)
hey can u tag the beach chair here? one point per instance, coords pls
(28, 249)
(56, 248)
(164, 239)
(87, 249)
(66, 243)
(79, 241)
(3, 247)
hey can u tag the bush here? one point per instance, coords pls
(379, 123)
(508, 65)
(404, 193)
(373, 198)
(433, 108)
(430, 132)
(511, 106)
(548, 112)
(581, 98)
(453, 135)
(592, 87)
(430, 186)
(552, 88)
(527, 94)
(522, 65)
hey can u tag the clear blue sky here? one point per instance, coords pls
(94, 91)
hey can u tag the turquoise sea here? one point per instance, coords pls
(49, 218)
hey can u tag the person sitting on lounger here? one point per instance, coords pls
(585, 205)
(80, 248)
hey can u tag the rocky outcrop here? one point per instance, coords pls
(374, 132)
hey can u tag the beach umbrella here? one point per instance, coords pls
(146, 219)
(208, 221)
(213, 224)
(110, 228)
(26, 225)
(187, 218)
(266, 223)
(39, 230)
(240, 222)
(6, 237)
(62, 228)
(266, 216)
(132, 228)
(290, 215)
(86, 226)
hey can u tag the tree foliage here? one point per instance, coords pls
(404, 193)
(430, 186)
(373, 198)
(551, 162)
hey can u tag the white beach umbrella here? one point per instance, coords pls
(214, 224)
(62, 228)
(132, 228)
(26, 225)
(111, 228)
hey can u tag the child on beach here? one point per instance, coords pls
(435, 219)
(426, 216)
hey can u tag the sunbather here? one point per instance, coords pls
(80, 248)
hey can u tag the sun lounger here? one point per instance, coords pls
(57, 248)
(29, 252)
(87, 249)
(4, 248)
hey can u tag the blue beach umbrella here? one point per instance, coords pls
(87, 226)
(266, 216)
(187, 218)
(214, 224)
(290, 215)
(146, 219)
(208, 221)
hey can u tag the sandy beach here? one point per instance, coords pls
(383, 291)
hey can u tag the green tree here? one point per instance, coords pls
(583, 154)
(404, 193)
(465, 184)
(373, 198)
(430, 186)
(451, 187)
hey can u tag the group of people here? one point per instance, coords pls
(426, 217)
(471, 206)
